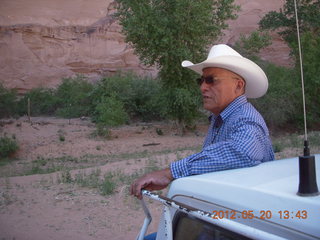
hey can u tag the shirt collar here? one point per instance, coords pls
(236, 103)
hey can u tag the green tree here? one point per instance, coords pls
(285, 22)
(164, 33)
(250, 45)
(309, 22)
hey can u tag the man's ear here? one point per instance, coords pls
(241, 85)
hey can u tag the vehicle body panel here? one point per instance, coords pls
(270, 186)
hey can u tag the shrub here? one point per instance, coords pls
(311, 64)
(8, 146)
(8, 102)
(139, 96)
(42, 101)
(182, 104)
(108, 185)
(73, 97)
(102, 131)
(144, 101)
(110, 112)
(281, 103)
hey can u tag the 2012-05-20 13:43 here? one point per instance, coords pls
(263, 214)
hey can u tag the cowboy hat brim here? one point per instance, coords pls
(256, 79)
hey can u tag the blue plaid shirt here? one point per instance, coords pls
(237, 138)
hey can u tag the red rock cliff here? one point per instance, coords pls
(43, 41)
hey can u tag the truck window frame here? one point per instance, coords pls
(180, 219)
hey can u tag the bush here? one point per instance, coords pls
(73, 97)
(281, 103)
(145, 102)
(140, 96)
(182, 104)
(311, 64)
(108, 185)
(102, 131)
(8, 102)
(110, 112)
(42, 101)
(8, 146)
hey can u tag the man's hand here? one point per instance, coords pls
(152, 181)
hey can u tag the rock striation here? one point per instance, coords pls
(43, 41)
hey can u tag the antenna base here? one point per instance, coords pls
(308, 180)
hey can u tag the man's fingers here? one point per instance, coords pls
(137, 186)
(153, 181)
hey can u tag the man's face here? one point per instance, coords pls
(226, 86)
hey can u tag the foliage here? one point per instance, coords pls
(70, 99)
(309, 22)
(182, 104)
(110, 112)
(311, 65)
(250, 46)
(136, 97)
(102, 131)
(285, 22)
(139, 95)
(281, 103)
(108, 185)
(8, 102)
(164, 33)
(8, 146)
(42, 101)
(73, 97)
(92, 180)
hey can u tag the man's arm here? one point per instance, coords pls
(247, 146)
(152, 181)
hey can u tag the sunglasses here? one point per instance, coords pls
(211, 80)
(207, 80)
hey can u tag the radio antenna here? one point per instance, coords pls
(307, 168)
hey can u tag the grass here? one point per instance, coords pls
(295, 141)
(105, 185)
(43, 165)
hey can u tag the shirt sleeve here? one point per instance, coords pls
(243, 148)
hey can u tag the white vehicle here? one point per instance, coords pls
(250, 203)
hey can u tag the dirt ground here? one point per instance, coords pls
(38, 206)
(38, 201)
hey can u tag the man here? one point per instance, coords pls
(237, 136)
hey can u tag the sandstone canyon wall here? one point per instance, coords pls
(42, 41)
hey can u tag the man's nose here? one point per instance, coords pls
(204, 87)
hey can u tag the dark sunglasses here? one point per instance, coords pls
(211, 79)
(207, 80)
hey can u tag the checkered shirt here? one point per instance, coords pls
(236, 138)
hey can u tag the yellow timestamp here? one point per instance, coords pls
(262, 214)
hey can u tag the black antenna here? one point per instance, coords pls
(307, 166)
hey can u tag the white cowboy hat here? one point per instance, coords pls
(223, 56)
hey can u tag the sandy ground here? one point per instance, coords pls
(36, 206)
(39, 206)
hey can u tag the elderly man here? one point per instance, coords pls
(237, 136)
